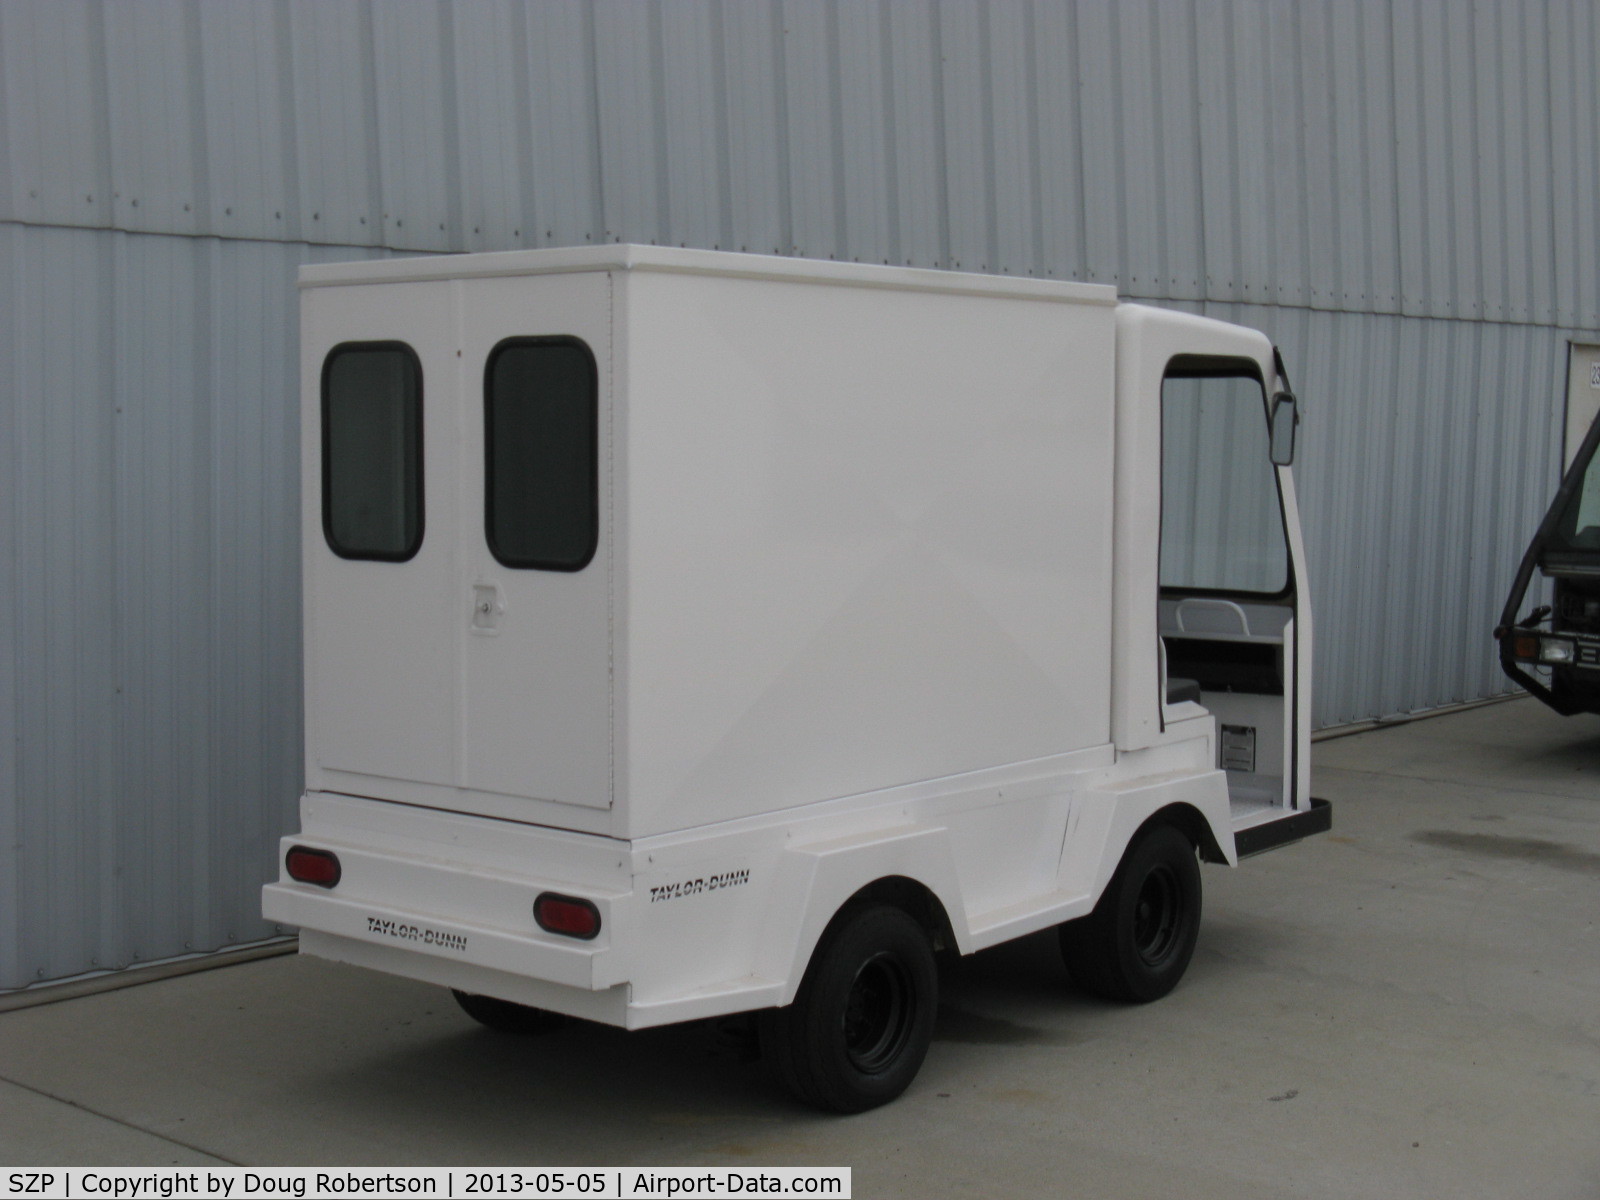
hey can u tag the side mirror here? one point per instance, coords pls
(1282, 419)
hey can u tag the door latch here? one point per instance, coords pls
(487, 608)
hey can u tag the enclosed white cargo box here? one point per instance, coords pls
(691, 633)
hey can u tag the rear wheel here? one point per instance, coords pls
(858, 1030)
(1137, 943)
(504, 1016)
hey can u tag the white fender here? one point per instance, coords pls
(1093, 854)
(814, 880)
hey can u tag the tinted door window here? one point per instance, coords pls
(372, 451)
(540, 429)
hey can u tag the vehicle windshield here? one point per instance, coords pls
(1221, 519)
(1578, 528)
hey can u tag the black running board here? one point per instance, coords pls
(1269, 835)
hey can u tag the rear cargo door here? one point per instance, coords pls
(457, 616)
(380, 553)
(532, 596)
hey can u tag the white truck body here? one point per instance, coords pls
(875, 592)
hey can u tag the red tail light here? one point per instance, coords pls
(306, 865)
(566, 915)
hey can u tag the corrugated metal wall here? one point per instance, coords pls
(1401, 192)
(151, 547)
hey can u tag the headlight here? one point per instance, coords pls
(1557, 650)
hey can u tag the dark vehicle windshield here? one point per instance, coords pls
(1578, 526)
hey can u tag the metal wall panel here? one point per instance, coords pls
(52, 63)
(332, 93)
(917, 126)
(151, 552)
(626, 80)
(757, 215)
(494, 124)
(562, 185)
(692, 136)
(1404, 193)
(11, 424)
(866, 141)
(1387, 156)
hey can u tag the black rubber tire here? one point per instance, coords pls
(504, 1016)
(1137, 943)
(858, 1030)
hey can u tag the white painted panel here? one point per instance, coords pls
(536, 692)
(868, 539)
(381, 671)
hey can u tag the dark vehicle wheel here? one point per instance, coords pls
(859, 1028)
(1137, 943)
(503, 1016)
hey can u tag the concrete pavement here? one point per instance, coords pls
(1406, 1007)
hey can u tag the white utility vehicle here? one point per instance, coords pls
(692, 633)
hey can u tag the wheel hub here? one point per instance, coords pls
(1156, 916)
(878, 1013)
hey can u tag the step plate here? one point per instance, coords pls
(1269, 835)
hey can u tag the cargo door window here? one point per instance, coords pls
(372, 451)
(542, 507)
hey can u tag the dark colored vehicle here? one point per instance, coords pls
(1561, 641)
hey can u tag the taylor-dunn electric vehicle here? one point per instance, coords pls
(691, 633)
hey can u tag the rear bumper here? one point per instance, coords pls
(436, 935)
(1269, 835)
(449, 899)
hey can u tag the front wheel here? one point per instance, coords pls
(1137, 943)
(858, 1030)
